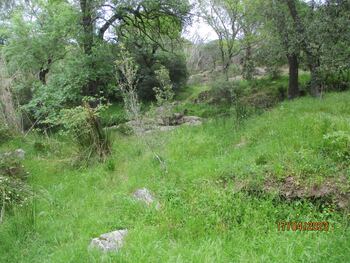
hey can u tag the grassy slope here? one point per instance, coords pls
(201, 220)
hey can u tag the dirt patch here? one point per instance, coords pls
(331, 190)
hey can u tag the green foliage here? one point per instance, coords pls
(127, 80)
(82, 123)
(337, 80)
(223, 91)
(175, 63)
(124, 129)
(149, 62)
(164, 93)
(53, 69)
(113, 115)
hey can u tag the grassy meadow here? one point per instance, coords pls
(205, 215)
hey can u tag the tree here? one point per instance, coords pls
(224, 17)
(288, 37)
(144, 17)
(250, 22)
(310, 48)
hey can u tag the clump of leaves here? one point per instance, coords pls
(14, 189)
(82, 123)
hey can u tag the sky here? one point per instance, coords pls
(199, 30)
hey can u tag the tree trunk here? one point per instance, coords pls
(293, 90)
(315, 83)
(90, 89)
(225, 64)
(44, 71)
(312, 59)
(88, 36)
(248, 67)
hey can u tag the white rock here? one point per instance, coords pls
(112, 241)
(144, 195)
(20, 153)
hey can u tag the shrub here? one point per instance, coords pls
(222, 91)
(114, 119)
(82, 123)
(338, 81)
(164, 96)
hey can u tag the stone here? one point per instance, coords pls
(192, 120)
(149, 125)
(20, 154)
(167, 128)
(112, 241)
(144, 195)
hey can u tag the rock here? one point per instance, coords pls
(167, 128)
(20, 154)
(158, 124)
(260, 72)
(144, 195)
(192, 120)
(112, 241)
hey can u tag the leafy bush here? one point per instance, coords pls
(223, 91)
(149, 62)
(338, 81)
(337, 145)
(115, 119)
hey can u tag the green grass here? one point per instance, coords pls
(203, 218)
(191, 92)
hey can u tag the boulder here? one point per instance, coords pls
(112, 241)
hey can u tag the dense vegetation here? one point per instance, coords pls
(233, 137)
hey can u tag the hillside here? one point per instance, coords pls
(223, 191)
